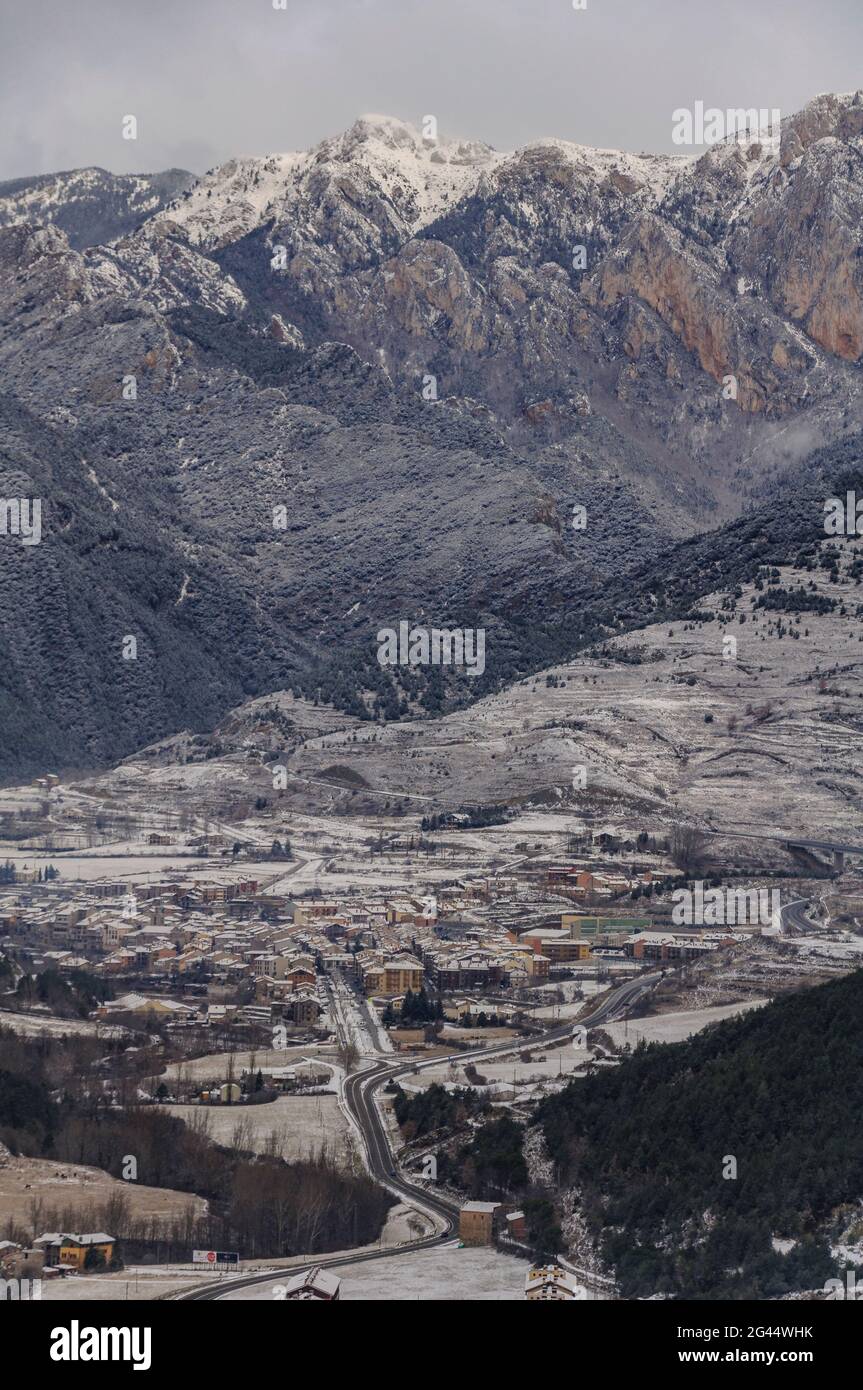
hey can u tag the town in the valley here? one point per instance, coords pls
(376, 994)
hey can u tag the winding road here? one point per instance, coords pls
(359, 1094)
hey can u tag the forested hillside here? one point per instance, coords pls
(652, 1148)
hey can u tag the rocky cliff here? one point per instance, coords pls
(320, 393)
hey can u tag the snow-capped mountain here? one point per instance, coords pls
(90, 205)
(425, 353)
(396, 181)
(560, 278)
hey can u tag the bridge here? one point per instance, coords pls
(837, 849)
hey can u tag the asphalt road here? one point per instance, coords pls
(828, 845)
(794, 917)
(360, 1090)
(359, 1093)
(799, 841)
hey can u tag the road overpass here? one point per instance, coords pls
(837, 849)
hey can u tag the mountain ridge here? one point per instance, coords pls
(428, 405)
(91, 204)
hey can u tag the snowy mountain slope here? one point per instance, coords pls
(427, 380)
(662, 724)
(381, 165)
(158, 506)
(560, 280)
(90, 205)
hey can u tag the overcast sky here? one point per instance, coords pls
(209, 79)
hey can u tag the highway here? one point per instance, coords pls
(360, 1090)
(830, 846)
(794, 919)
(359, 1094)
(796, 841)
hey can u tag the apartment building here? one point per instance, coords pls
(393, 977)
(556, 945)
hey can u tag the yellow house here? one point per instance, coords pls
(70, 1251)
(401, 911)
(74, 1250)
(571, 922)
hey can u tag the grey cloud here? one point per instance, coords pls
(209, 79)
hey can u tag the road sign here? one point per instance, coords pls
(215, 1257)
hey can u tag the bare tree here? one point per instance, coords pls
(36, 1213)
(348, 1055)
(242, 1135)
(688, 848)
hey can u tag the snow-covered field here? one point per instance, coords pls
(84, 867)
(214, 1066)
(28, 1181)
(559, 1061)
(303, 1125)
(127, 1285)
(676, 1026)
(31, 1024)
(847, 948)
(554, 1013)
(87, 866)
(444, 1272)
